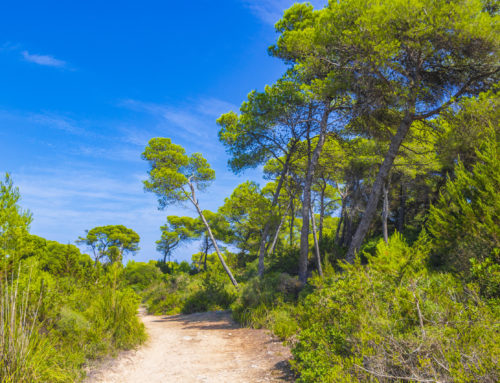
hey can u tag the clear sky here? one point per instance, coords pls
(86, 84)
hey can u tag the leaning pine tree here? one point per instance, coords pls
(174, 178)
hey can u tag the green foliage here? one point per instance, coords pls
(14, 224)
(27, 354)
(268, 302)
(395, 318)
(178, 292)
(465, 221)
(214, 293)
(57, 308)
(110, 242)
(172, 170)
(168, 295)
(139, 275)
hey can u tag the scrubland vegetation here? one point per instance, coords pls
(374, 248)
(58, 309)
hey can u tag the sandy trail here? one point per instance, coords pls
(204, 347)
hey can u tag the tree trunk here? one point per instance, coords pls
(380, 180)
(207, 249)
(306, 200)
(385, 212)
(341, 219)
(267, 226)
(292, 222)
(321, 213)
(277, 233)
(316, 244)
(209, 231)
(402, 208)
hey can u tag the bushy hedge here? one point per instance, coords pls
(65, 311)
(395, 320)
(183, 293)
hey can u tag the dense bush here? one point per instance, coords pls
(396, 320)
(58, 309)
(181, 293)
(140, 275)
(268, 302)
(465, 222)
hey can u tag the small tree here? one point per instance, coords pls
(174, 233)
(14, 223)
(465, 221)
(174, 177)
(110, 242)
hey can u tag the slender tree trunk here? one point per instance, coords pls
(292, 221)
(321, 214)
(341, 219)
(385, 212)
(205, 255)
(306, 200)
(402, 208)
(316, 244)
(345, 227)
(209, 231)
(381, 178)
(277, 233)
(267, 226)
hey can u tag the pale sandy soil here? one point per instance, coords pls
(204, 348)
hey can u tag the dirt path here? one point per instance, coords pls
(204, 348)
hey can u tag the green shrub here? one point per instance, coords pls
(140, 275)
(465, 222)
(27, 354)
(215, 293)
(168, 295)
(269, 303)
(395, 318)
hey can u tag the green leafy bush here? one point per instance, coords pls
(395, 320)
(140, 275)
(215, 293)
(27, 354)
(465, 222)
(269, 302)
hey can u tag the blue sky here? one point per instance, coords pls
(85, 85)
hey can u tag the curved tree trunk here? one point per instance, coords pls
(380, 180)
(316, 244)
(212, 238)
(306, 200)
(267, 226)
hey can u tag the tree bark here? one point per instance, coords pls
(267, 226)
(276, 234)
(306, 200)
(316, 244)
(402, 208)
(209, 231)
(341, 219)
(321, 213)
(385, 212)
(292, 222)
(380, 180)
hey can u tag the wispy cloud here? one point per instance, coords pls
(270, 11)
(214, 107)
(49, 120)
(69, 200)
(56, 121)
(44, 60)
(196, 119)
